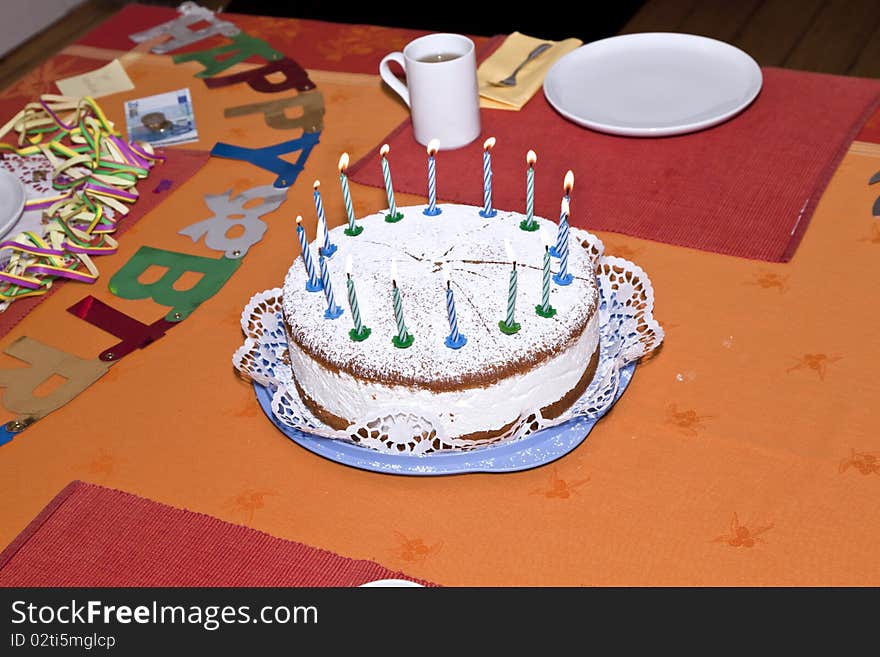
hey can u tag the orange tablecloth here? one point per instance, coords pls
(743, 454)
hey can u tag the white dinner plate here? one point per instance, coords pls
(12, 197)
(652, 84)
(380, 583)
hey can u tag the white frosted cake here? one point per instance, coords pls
(488, 386)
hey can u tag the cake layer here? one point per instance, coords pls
(340, 399)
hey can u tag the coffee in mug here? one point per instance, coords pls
(441, 88)
(439, 57)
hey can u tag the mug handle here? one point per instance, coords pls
(392, 80)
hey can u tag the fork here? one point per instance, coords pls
(510, 80)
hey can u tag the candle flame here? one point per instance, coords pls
(384, 150)
(546, 239)
(343, 162)
(565, 206)
(489, 143)
(509, 250)
(446, 273)
(433, 147)
(531, 158)
(348, 265)
(394, 271)
(568, 183)
(299, 219)
(316, 184)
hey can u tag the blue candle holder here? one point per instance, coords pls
(456, 344)
(333, 311)
(565, 279)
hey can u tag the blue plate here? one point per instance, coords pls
(536, 449)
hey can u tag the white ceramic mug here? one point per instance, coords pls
(441, 88)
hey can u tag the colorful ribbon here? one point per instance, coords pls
(94, 169)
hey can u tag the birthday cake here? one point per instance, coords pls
(483, 360)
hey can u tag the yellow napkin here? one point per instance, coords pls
(511, 54)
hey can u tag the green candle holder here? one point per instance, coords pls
(354, 232)
(530, 226)
(360, 337)
(403, 344)
(550, 312)
(509, 329)
(394, 218)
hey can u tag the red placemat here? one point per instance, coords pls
(314, 44)
(180, 165)
(94, 536)
(747, 187)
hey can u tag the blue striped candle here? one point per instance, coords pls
(487, 210)
(563, 277)
(333, 311)
(328, 248)
(454, 340)
(432, 210)
(314, 283)
(567, 185)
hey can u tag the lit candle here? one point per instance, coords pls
(544, 309)
(352, 230)
(508, 325)
(563, 277)
(393, 215)
(432, 210)
(328, 248)
(404, 338)
(314, 283)
(529, 222)
(562, 233)
(454, 340)
(487, 210)
(333, 311)
(360, 332)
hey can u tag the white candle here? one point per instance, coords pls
(393, 215)
(487, 210)
(455, 339)
(432, 209)
(563, 277)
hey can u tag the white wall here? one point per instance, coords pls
(22, 19)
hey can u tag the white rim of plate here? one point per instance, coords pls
(402, 583)
(565, 60)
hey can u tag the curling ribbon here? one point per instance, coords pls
(94, 173)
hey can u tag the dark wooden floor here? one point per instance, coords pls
(831, 36)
